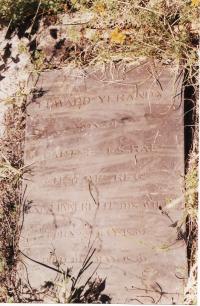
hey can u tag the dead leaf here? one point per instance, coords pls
(117, 36)
(99, 7)
(195, 2)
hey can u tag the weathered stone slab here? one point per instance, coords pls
(107, 156)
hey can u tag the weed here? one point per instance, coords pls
(19, 98)
(65, 288)
(22, 48)
(191, 184)
(38, 61)
(20, 11)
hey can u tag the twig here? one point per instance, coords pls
(44, 265)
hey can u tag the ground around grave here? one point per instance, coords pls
(44, 35)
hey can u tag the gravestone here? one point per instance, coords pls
(106, 150)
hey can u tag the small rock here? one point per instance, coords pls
(77, 18)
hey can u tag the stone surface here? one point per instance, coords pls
(107, 157)
(17, 67)
(77, 18)
(13, 72)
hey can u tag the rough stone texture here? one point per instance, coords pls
(16, 69)
(107, 156)
(77, 18)
(16, 79)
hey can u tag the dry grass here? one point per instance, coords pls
(127, 30)
(11, 171)
(116, 30)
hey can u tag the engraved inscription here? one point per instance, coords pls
(78, 101)
(64, 207)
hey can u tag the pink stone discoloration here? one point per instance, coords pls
(107, 153)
